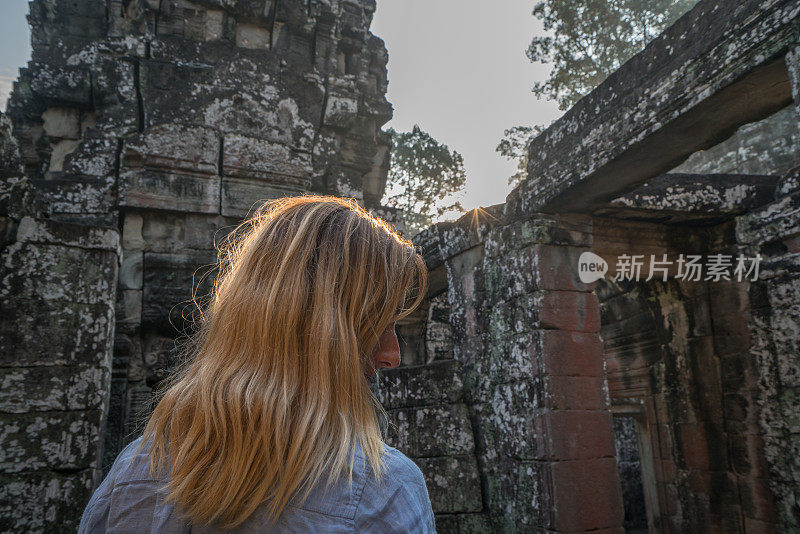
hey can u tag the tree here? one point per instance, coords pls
(423, 178)
(514, 146)
(588, 40)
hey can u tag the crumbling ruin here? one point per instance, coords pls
(143, 131)
(532, 400)
(683, 389)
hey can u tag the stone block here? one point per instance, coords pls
(463, 523)
(66, 440)
(252, 36)
(572, 230)
(557, 268)
(242, 196)
(453, 483)
(169, 191)
(275, 163)
(694, 446)
(164, 232)
(67, 234)
(67, 196)
(569, 310)
(443, 430)
(206, 231)
(566, 353)
(434, 383)
(94, 158)
(44, 501)
(62, 122)
(60, 274)
(174, 147)
(756, 498)
(75, 333)
(129, 309)
(35, 389)
(586, 495)
(341, 110)
(59, 151)
(508, 422)
(132, 238)
(400, 433)
(130, 273)
(63, 85)
(170, 282)
(575, 393)
(575, 434)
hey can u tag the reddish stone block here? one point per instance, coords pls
(574, 434)
(570, 310)
(668, 470)
(694, 446)
(663, 442)
(562, 353)
(586, 495)
(754, 526)
(557, 268)
(661, 408)
(720, 486)
(575, 393)
(747, 455)
(757, 499)
(671, 501)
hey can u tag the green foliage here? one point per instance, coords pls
(589, 39)
(423, 177)
(586, 41)
(514, 146)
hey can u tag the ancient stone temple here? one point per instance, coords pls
(533, 400)
(538, 402)
(139, 134)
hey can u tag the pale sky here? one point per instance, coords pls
(457, 68)
(15, 44)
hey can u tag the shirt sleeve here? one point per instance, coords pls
(398, 502)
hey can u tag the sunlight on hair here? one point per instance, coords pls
(272, 398)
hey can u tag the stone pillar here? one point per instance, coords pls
(793, 66)
(766, 458)
(57, 292)
(548, 429)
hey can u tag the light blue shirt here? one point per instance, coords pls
(131, 501)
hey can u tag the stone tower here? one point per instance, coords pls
(143, 131)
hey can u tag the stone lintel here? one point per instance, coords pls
(693, 198)
(718, 67)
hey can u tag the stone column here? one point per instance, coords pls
(57, 288)
(793, 65)
(547, 412)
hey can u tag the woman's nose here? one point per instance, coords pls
(388, 353)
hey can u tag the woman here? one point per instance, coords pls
(271, 425)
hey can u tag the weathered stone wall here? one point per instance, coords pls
(145, 131)
(537, 354)
(544, 359)
(527, 369)
(773, 369)
(767, 147)
(57, 287)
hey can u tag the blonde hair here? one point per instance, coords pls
(274, 398)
